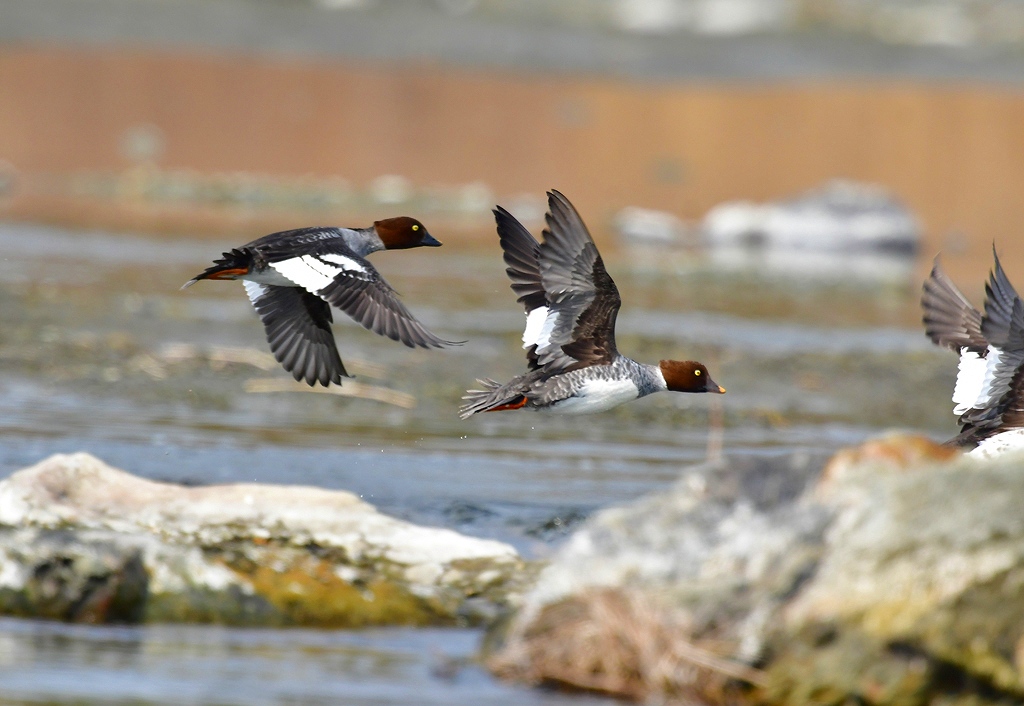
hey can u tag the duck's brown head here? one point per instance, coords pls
(688, 376)
(404, 232)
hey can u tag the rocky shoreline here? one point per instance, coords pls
(890, 574)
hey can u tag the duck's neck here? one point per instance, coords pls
(364, 241)
(658, 383)
(648, 377)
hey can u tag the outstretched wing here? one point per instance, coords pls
(989, 393)
(522, 257)
(1003, 327)
(1003, 323)
(352, 284)
(952, 322)
(578, 328)
(949, 318)
(298, 327)
(521, 252)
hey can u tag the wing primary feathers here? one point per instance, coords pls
(521, 253)
(371, 302)
(989, 392)
(298, 328)
(1003, 323)
(582, 296)
(949, 318)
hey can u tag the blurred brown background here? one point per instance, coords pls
(952, 149)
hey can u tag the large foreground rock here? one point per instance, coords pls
(80, 540)
(895, 577)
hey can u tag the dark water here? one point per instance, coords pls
(100, 351)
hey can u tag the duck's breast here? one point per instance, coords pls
(597, 396)
(1002, 443)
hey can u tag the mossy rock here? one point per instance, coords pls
(80, 540)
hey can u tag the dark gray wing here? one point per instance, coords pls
(1012, 404)
(583, 300)
(298, 327)
(522, 257)
(1003, 323)
(949, 318)
(352, 284)
(521, 252)
(287, 244)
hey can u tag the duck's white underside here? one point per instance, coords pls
(1005, 442)
(597, 396)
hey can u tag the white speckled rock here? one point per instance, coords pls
(239, 553)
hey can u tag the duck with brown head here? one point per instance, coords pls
(688, 376)
(293, 277)
(571, 305)
(403, 232)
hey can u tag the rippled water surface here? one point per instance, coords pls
(207, 664)
(100, 351)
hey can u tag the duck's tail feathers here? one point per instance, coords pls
(232, 265)
(493, 398)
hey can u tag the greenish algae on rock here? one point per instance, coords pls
(82, 541)
(312, 593)
(895, 577)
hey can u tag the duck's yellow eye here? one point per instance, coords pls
(415, 227)
(696, 372)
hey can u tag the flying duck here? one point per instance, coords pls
(989, 391)
(571, 304)
(293, 277)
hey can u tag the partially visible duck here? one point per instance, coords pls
(571, 304)
(989, 392)
(293, 277)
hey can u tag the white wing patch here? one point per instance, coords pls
(255, 290)
(309, 272)
(544, 339)
(969, 381)
(539, 324)
(978, 383)
(345, 263)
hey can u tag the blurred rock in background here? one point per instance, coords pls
(912, 22)
(840, 216)
(891, 576)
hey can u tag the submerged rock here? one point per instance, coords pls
(841, 217)
(80, 540)
(646, 225)
(898, 578)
